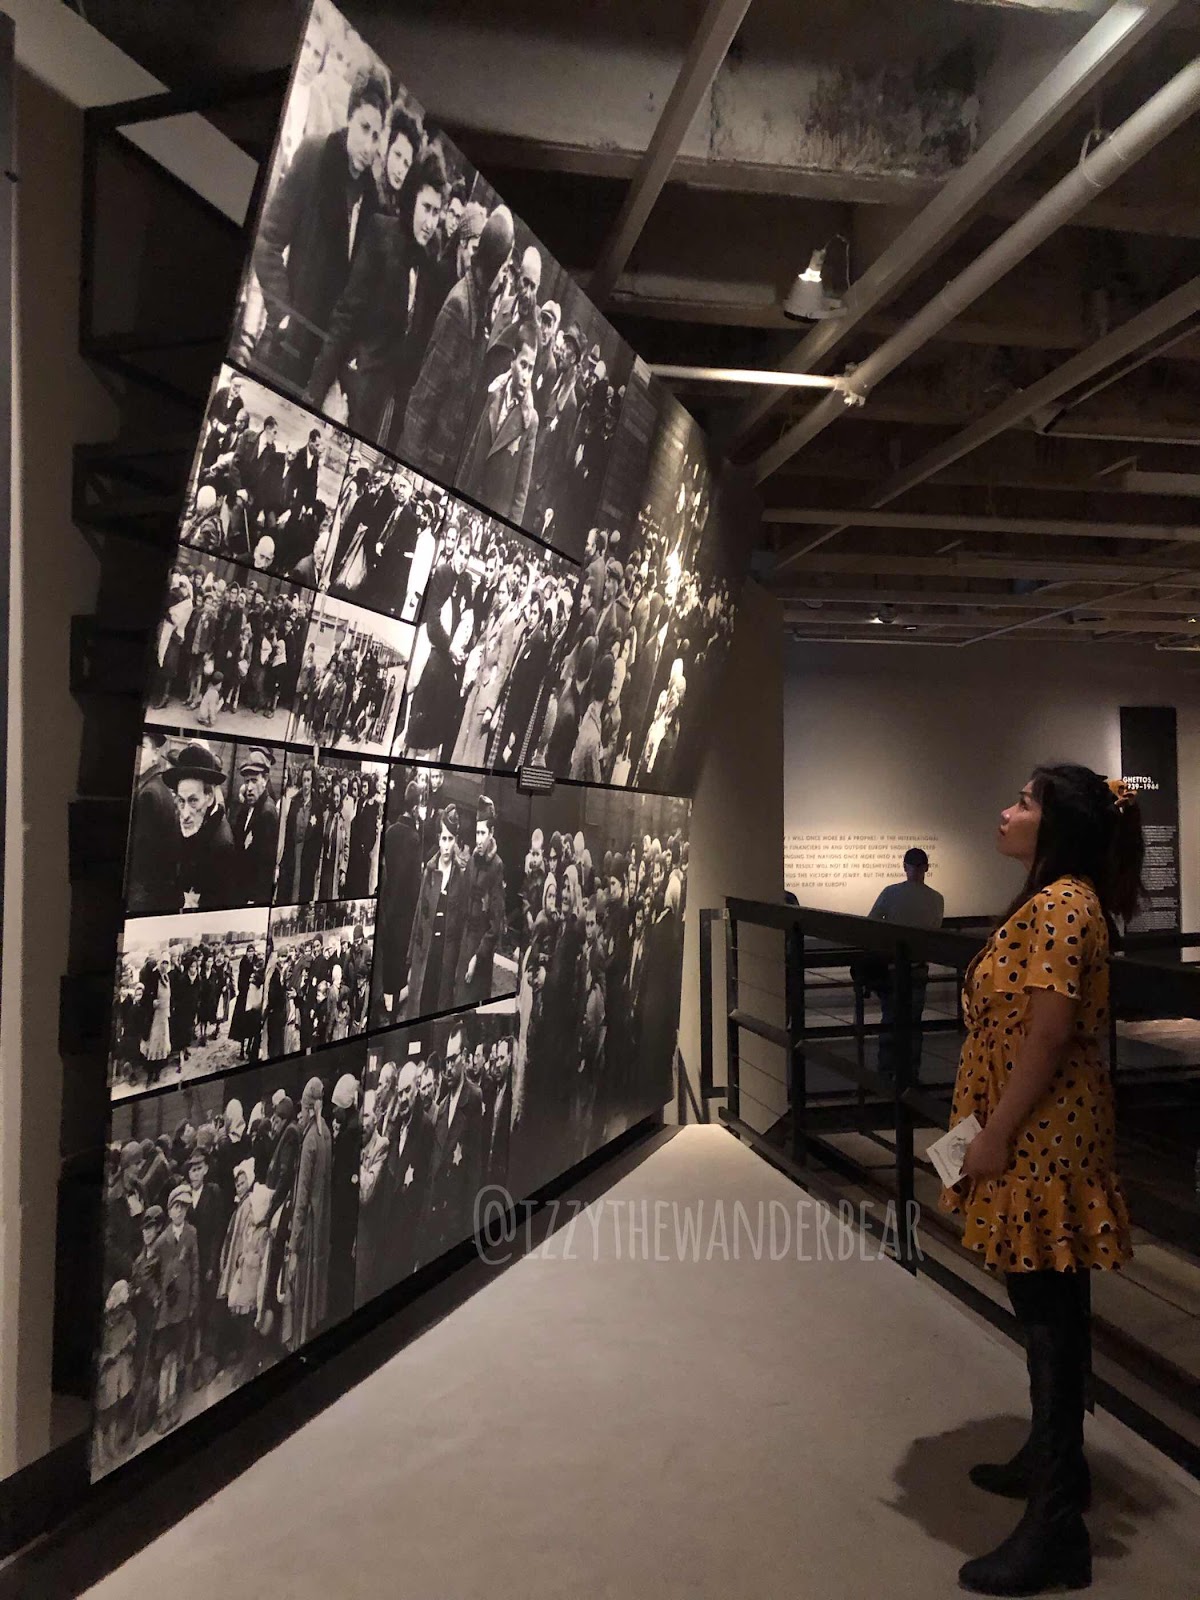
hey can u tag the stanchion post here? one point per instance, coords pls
(902, 1028)
(733, 1096)
(795, 977)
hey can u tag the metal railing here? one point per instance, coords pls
(806, 1138)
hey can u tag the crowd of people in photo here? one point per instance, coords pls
(350, 698)
(229, 1241)
(642, 629)
(263, 492)
(194, 1005)
(332, 815)
(495, 606)
(228, 645)
(437, 1120)
(317, 983)
(384, 534)
(175, 1001)
(598, 998)
(443, 914)
(203, 836)
(394, 292)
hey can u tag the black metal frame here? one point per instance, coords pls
(106, 126)
(797, 1146)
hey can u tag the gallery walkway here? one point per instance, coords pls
(597, 1422)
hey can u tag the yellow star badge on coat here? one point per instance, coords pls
(408, 1177)
(191, 899)
(456, 1158)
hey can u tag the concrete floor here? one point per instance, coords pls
(596, 1422)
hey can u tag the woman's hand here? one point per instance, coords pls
(986, 1155)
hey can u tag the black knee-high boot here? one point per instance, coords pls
(1012, 1478)
(1050, 1544)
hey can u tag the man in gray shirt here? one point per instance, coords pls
(912, 903)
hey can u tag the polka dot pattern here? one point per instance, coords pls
(1059, 1203)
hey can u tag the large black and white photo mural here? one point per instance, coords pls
(441, 525)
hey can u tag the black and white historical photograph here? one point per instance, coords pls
(331, 819)
(204, 825)
(699, 623)
(351, 680)
(228, 649)
(230, 1228)
(436, 1127)
(265, 482)
(548, 395)
(367, 231)
(188, 998)
(319, 987)
(646, 616)
(385, 533)
(604, 889)
(495, 606)
(450, 916)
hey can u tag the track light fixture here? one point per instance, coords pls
(814, 295)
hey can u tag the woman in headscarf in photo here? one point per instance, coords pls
(487, 669)
(308, 1238)
(158, 1043)
(243, 1263)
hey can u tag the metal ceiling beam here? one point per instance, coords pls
(804, 603)
(952, 522)
(709, 47)
(1084, 67)
(869, 563)
(1063, 611)
(1158, 117)
(1132, 336)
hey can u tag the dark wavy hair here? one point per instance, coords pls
(1085, 833)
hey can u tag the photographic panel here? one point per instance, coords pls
(331, 817)
(384, 535)
(437, 1125)
(188, 998)
(318, 990)
(230, 1224)
(451, 893)
(598, 1002)
(370, 221)
(320, 200)
(350, 685)
(546, 401)
(478, 681)
(265, 483)
(228, 649)
(204, 824)
(699, 634)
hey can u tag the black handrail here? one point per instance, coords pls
(1144, 985)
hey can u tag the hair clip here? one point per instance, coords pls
(1123, 795)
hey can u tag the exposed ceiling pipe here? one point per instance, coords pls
(1050, 616)
(1038, 527)
(1086, 65)
(744, 376)
(1149, 125)
(1132, 335)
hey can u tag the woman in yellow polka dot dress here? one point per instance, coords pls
(1039, 1196)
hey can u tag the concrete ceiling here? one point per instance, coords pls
(843, 117)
